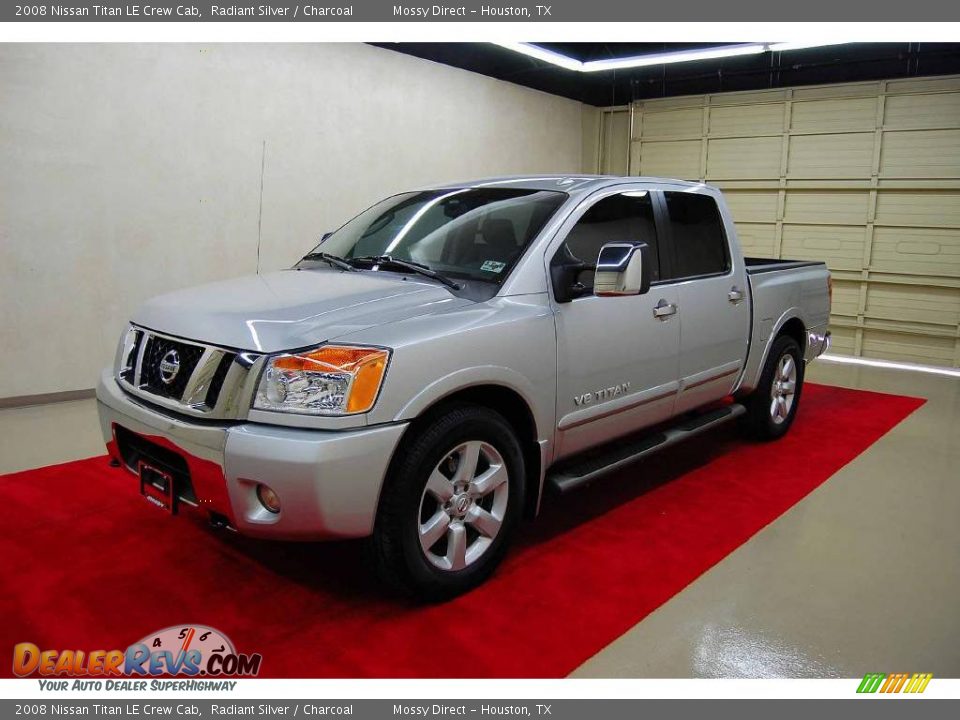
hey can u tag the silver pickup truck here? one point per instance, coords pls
(433, 367)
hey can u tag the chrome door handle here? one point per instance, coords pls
(735, 295)
(664, 310)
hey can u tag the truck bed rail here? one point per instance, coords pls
(763, 265)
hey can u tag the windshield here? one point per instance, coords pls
(474, 233)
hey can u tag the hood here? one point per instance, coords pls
(291, 309)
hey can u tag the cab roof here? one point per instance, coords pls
(563, 183)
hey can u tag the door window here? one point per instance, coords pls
(627, 217)
(696, 229)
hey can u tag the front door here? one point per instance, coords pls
(617, 356)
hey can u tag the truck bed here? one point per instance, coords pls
(778, 288)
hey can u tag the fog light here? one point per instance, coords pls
(268, 498)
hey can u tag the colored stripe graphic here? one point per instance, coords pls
(894, 683)
(918, 683)
(871, 682)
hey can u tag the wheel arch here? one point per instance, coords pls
(790, 323)
(515, 409)
(795, 328)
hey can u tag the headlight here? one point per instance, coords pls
(331, 380)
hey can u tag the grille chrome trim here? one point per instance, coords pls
(195, 392)
(232, 398)
(141, 349)
(129, 352)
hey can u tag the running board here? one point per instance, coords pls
(580, 472)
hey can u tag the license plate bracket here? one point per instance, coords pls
(158, 487)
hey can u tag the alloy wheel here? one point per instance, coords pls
(783, 389)
(463, 505)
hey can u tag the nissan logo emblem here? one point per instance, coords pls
(169, 367)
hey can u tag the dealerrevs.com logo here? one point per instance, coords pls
(180, 650)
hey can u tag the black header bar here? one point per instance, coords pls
(640, 11)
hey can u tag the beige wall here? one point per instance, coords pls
(591, 138)
(127, 170)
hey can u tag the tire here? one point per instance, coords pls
(442, 529)
(772, 407)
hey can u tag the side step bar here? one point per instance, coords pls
(570, 476)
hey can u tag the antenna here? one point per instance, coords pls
(263, 160)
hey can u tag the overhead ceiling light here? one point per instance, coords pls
(781, 47)
(534, 51)
(673, 57)
(665, 58)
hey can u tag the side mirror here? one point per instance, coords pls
(564, 271)
(622, 269)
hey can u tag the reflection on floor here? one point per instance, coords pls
(860, 576)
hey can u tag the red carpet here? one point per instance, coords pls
(88, 564)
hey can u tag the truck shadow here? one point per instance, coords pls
(344, 568)
(560, 513)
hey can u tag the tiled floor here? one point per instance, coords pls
(861, 576)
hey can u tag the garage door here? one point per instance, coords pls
(865, 176)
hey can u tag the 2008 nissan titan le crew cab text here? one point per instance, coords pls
(433, 367)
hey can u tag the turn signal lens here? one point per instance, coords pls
(331, 380)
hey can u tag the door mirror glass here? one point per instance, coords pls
(622, 269)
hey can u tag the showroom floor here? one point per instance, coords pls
(860, 576)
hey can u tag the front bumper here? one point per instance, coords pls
(328, 481)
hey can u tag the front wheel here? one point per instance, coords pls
(450, 504)
(772, 407)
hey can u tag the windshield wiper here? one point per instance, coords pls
(407, 265)
(334, 260)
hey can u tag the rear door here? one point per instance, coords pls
(713, 306)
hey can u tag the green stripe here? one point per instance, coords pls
(871, 682)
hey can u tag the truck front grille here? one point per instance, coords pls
(181, 375)
(216, 382)
(131, 351)
(157, 350)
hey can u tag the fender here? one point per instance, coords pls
(471, 377)
(492, 375)
(751, 372)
